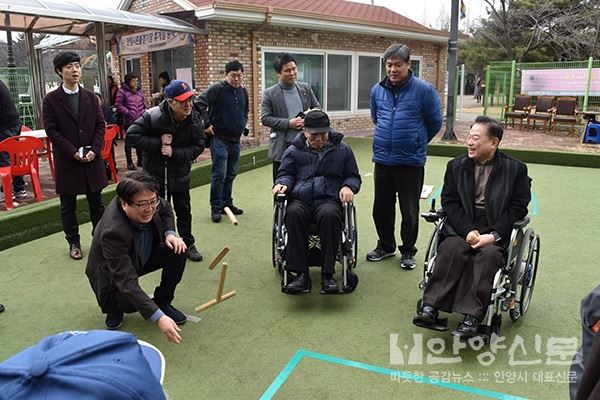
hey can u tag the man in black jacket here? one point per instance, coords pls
(136, 236)
(319, 173)
(170, 136)
(485, 192)
(224, 110)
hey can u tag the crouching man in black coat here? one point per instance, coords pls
(319, 173)
(136, 236)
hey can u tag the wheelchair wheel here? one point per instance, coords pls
(278, 239)
(430, 255)
(529, 256)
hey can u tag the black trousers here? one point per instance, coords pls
(183, 212)
(404, 182)
(172, 266)
(68, 214)
(138, 152)
(299, 216)
(463, 278)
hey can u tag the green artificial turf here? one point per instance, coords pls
(240, 346)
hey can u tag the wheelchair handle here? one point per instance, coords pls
(280, 197)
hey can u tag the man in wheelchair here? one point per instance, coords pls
(485, 192)
(318, 173)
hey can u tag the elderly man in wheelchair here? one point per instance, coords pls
(485, 196)
(318, 175)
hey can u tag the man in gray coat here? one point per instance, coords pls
(282, 106)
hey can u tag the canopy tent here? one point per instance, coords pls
(69, 18)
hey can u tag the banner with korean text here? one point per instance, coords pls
(148, 41)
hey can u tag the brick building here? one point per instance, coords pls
(338, 45)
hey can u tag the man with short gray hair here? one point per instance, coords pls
(407, 114)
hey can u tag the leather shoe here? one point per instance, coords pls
(75, 251)
(113, 320)
(427, 314)
(468, 327)
(328, 284)
(131, 167)
(300, 284)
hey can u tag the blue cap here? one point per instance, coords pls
(85, 365)
(178, 90)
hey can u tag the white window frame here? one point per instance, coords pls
(325, 53)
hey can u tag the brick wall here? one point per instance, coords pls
(227, 41)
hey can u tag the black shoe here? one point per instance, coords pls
(131, 167)
(328, 284)
(427, 315)
(300, 284)
(75, 251)
(113, 320)
(408, 262)
(234, 210)
(468, 328)
(379, 254)
(1, 307)
(215, 214)
(173, 313)
(193, 254)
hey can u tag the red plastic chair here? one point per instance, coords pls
(23, 153)
(45, 152)
(110, 132)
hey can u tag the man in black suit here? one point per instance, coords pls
(136, 236)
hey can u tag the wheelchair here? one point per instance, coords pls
(347, 248)
(514, 281)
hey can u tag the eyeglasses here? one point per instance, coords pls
(146, 205)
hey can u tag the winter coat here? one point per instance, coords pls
(130, 104)
(405, 121)
(507, 195)
(188, 143)
(318, 176)
(68, 133)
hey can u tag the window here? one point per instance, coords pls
(310, 70)
(369, 74)
(343, 82)
(339, 71)
(170, 60)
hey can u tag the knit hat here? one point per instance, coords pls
(316, 121)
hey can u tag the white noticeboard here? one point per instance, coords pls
(184, 74)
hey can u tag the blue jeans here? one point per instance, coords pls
(225, 162)
(18, 182)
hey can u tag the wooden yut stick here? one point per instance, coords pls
(219, 257)
(221, 281)
(232, 217)
(211, 303)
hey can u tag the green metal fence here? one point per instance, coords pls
(18, 81)
(505, 79)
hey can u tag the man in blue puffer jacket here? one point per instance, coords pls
(319, 173)
(407, 114)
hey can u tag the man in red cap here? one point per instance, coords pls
(171, 136)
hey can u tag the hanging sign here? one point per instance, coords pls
(148, 41)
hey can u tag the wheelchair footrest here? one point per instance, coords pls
(440, 324)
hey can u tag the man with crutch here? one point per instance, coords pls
(171, 136)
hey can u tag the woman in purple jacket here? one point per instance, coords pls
(130, 104)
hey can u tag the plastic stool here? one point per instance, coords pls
(592, 134)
